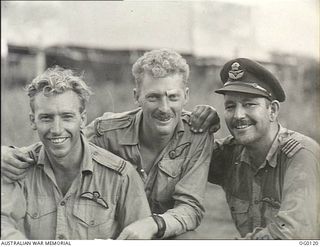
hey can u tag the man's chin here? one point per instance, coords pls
(165, 128)
(57, 153)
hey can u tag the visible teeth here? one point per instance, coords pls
(242, 126)
(58, 140)
(164, 119)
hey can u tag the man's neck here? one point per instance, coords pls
(67, 168)
(152, 140)
(259, 151)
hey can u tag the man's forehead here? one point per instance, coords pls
(62, 102)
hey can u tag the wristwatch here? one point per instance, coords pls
(161, 225)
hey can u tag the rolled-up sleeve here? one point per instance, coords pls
(13, 210)
(189, 192)
(299, 214)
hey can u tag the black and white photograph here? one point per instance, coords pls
(160, 120)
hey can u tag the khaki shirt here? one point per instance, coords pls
(176, 183)
(280, 199)
(106, 196)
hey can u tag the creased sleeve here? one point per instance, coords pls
(13, 210)
(189, 192)
(133, 203)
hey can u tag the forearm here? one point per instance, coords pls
(181, 218)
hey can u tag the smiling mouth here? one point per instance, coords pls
(58, 140)
(163, 119)
(243, 126)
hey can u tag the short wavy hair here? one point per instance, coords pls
(160, 63)
(57, 80)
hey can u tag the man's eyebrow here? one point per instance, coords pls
(228, 102)
(172, 91)
(153, 92)
(68, 112)
(45, 114)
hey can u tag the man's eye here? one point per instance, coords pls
(174, 97)
(229, 107)
(45, 118)
(151, 97)
(67, 117)
(249, 105)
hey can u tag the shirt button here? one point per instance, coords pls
(63, 203)
(92, 222)
(256, 201)
(35, 215)
(60, 236)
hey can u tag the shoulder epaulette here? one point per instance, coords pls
(291, 147)
(112, 121)
(185, 116)
(33, 150)
(108, 159)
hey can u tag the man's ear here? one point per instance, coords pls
(32, 121)
(186, 95)
(274, 110)
(83, 116)
(136, 96)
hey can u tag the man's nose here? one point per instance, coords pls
(164, 104)
(56, 126)
(239, 112)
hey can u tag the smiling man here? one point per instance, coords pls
(270, 174)
(172, 161)
(75, 190)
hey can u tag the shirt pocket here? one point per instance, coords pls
(240, 213)
(40, 218)
(168, 176)
(94, 221)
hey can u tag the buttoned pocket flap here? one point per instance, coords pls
(40, 208)
(92, 213)
(171, 167)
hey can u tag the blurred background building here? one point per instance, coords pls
(103, 40)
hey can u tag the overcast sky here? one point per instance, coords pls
(290, 26)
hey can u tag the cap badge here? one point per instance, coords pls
(235, 73)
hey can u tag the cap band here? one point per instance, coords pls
(252, 85)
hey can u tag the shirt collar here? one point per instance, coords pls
(86, 164)
(271, 157)
(272, 154)
(131, 135)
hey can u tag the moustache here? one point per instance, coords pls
(241, 122)
(163, 115)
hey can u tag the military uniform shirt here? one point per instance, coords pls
(106, 196)
(175, 185)
(278, 200)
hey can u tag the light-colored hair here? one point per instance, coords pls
(160, 63)
(57, 80)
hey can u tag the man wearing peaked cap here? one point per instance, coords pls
(270, 174)
(247, 76)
